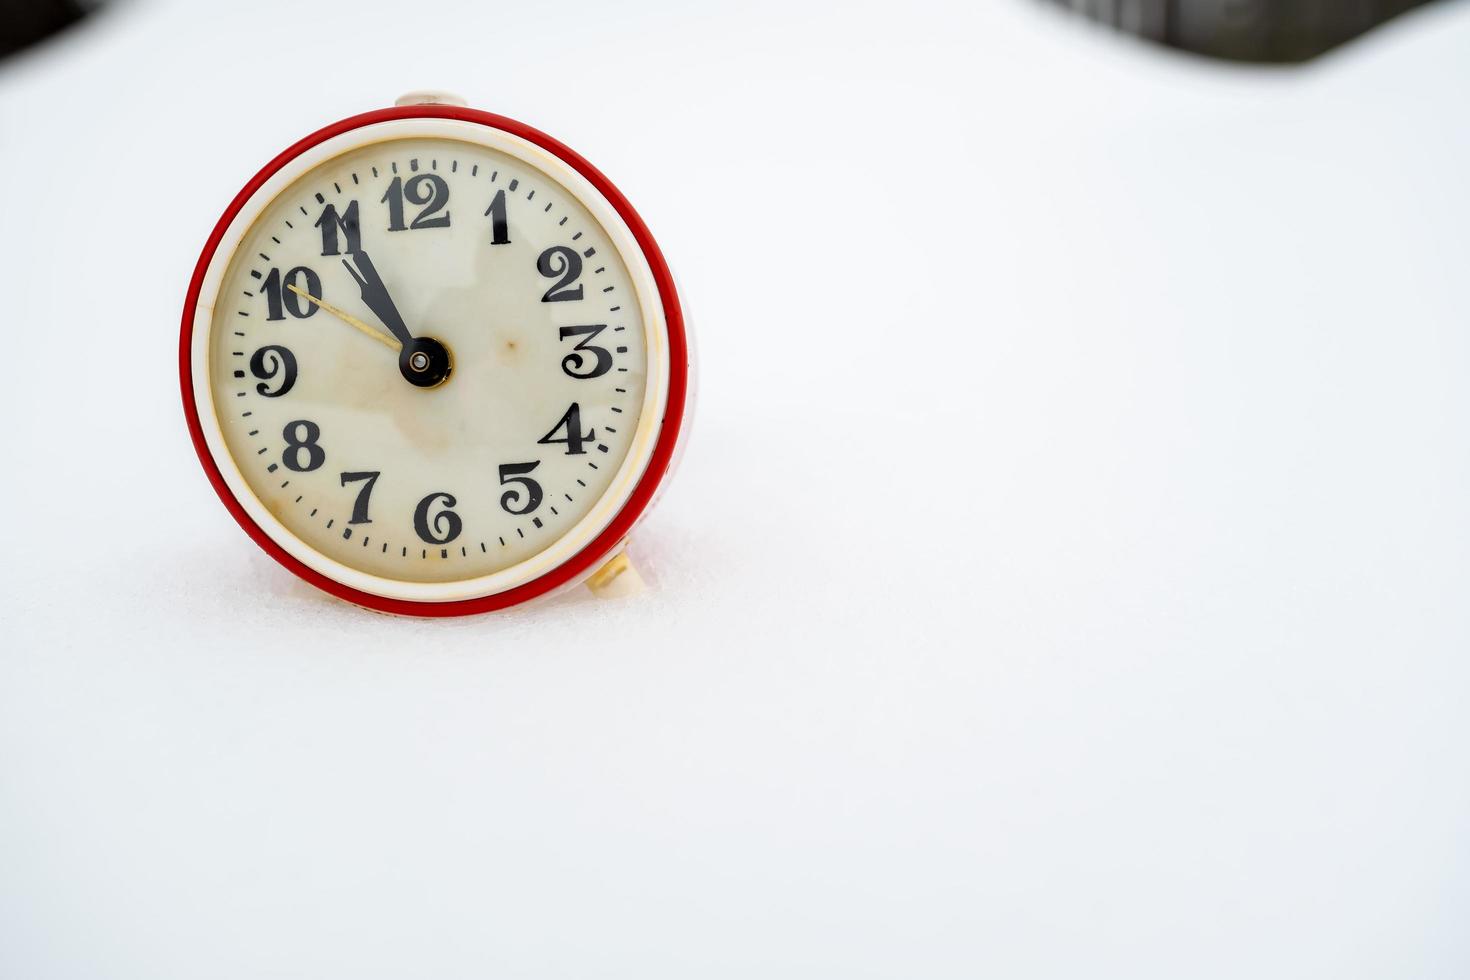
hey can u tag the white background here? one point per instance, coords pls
(1066, 577)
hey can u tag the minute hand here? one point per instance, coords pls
(375, 295)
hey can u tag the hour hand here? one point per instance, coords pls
(375, 295)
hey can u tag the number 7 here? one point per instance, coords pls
(360, 509)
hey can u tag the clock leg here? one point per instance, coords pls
(616, 579)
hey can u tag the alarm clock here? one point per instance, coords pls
(434, 363)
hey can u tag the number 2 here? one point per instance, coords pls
(569, 268)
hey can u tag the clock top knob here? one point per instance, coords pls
(428, 97)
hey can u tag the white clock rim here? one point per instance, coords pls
(656, 390)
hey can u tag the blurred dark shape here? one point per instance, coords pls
(1245, 30)
(25, 22)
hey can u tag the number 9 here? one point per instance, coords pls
(267, 362)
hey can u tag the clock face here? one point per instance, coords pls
(435, 361)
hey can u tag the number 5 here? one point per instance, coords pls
(530, 489)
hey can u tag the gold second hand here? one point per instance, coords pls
(347, 318)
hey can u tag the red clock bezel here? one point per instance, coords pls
(663, 452)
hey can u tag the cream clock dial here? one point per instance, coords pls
(431, 360)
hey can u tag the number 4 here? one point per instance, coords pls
(572, 422)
